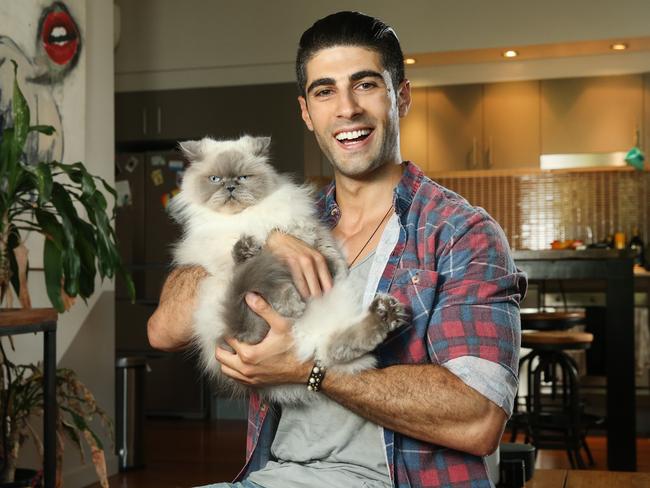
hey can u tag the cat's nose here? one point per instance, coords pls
(230, 188)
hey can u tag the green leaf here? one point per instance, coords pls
(77, 173)
(48, 130)
(51, 227)
(20, 114)
(53, 265)
(42, 175)
(12, 242)
(86, 248)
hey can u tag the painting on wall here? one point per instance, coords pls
(45, 39)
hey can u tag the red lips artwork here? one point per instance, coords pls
(59, 40)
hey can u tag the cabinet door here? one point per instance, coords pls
(131, 118)
(455, 127)
(413, 130)
(644, 138)
(588, 115)
(511, 125)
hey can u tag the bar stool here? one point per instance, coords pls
(554, 416)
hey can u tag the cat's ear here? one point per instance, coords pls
(261, 145)
(193, 150)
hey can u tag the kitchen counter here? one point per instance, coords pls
(615, 270)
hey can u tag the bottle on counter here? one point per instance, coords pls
(637, 247)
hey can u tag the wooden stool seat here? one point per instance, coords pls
(557, 338)
(551, 320)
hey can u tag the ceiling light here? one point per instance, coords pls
(618, 46)
(409, 61)
(510, 53)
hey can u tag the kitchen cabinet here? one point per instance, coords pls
(167, 116)
(454, 127)
(589, 115)
(645, 132)
(511, 136)
(413, 130)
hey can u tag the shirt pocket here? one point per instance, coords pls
(415, 288)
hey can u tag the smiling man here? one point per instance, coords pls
(439, 400)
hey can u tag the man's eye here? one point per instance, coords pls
(242, 178)
(214, 179)
(323, 93)
(366, 85)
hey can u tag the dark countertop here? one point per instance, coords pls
(550, 254)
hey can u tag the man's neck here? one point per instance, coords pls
(361, 200)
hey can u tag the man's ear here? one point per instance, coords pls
(404, 97)
(304, 113)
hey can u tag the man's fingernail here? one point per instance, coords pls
(252, 298)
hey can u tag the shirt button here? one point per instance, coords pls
(335, 211)
(415, 279)
(263, 407)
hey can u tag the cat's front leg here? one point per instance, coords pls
(385, 314)
(245, 248)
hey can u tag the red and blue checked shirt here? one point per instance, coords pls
(452, 266)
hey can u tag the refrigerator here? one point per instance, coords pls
(145, 182)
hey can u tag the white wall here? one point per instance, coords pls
(86, 334)
(167, 44)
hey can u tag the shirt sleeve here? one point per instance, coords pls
(491, 380)
(475, 314)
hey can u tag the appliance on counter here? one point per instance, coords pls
(145, 182)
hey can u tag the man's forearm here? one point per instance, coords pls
(170, 327)
(425, 402)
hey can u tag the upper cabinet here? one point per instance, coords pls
(511, 135)
(510, 125)
(591, 115)
(454, 127)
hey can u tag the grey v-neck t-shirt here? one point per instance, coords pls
(323, 444)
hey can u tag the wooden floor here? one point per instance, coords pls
(183, 453)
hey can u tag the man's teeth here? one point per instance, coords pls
(355, 134)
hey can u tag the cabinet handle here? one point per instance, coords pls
(488, 154)
(637, 136)
(144, 121)
(474, 161)
(159, 119)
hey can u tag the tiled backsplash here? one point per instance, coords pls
(534, 209)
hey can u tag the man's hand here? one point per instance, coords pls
(308, 267)
(270, 362)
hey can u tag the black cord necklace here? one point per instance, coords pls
(371, 236)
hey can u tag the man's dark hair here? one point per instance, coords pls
(351, 29)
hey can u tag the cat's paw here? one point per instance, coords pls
(390, 311)
(245, 248)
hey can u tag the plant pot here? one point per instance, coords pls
(24, 478)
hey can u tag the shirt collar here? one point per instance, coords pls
(402, 195)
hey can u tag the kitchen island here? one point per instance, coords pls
(614, 269)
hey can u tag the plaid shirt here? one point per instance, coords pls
(452, 266)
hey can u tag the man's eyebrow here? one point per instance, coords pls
(320, 82)
(366, 73)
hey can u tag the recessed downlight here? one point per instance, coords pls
(619, 46)
(409, 60)
(510, 53)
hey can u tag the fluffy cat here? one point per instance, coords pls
(231, 199)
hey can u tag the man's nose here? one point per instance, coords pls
(348, 105)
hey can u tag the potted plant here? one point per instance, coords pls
(63, 203)
(22, 387)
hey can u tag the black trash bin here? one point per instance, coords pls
(129, 382)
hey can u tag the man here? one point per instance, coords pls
(445, 383)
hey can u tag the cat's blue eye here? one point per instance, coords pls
(242, 178)
(214, 179)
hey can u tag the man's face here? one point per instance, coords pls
(352, 108)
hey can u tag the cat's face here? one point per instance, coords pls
(228, 176)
